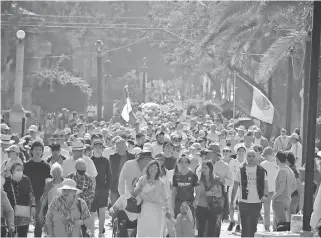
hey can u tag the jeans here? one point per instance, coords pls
(38, 224)
(208, 225)
(267, 210)
(280, 211)
(249, 213)
(22, 231)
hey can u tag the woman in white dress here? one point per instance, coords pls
(152, 190)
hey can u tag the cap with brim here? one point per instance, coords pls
(4, 126)
(54, 136)
(214, 148)
(147, 148)
(69, 184)
(241, 128)
(13, 148)
(239, 147)
(33, 128)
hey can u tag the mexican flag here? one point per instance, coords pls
(251, 101)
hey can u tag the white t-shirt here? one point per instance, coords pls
(253, 195)
(156, 149)
(68, 166)
(235, 166)
(272, 170)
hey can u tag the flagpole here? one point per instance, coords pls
(234, 92)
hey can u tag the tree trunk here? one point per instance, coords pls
(216, 86)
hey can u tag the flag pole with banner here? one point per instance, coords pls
(251, 101)
(127, 108)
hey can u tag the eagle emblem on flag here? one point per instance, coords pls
(262, 103)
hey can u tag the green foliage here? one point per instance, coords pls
(55, 88)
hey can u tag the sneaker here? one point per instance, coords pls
(267, 229)
(238, 229)
(231, 226)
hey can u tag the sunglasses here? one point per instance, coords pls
(226, 151)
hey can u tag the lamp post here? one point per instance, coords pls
(17, 111)
(144, 80)
(99, 45)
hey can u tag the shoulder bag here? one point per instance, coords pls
(215, 204)
(84, 230)
(19, 210)
(132, 205)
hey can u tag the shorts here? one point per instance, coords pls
(100, 200)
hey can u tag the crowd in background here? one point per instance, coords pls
(166, 174)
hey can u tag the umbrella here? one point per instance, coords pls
(150, 105)
(242, 121)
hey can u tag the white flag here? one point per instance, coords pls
(262, 108)
(126, 110)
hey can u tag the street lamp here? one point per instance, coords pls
(17, 111)
(99, 45)
(144, 80)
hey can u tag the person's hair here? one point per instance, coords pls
(34, 145)
(81, 117)
(249, 133)
(14, 166)
(281, 156)
(151, 163)
(184, 156)
(209, 164)
(258, 148)
(80, 125)
(54, 167)
(139, 135)
(74, 114)
(130, 142)
(135, 180)
(290, 158)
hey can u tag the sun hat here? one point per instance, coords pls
(77, 145)
(214, 148)
(6, 139)
(4, 126)
(33, 128)
(13, 148)
(69, 184)
(239, 146)
(65, 110)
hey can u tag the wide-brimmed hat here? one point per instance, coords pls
(33, 128)
(69, 184)
(6, 139)
(241, 128)
(214, 148)
(77, 145)
(4, 126)
(13, 148)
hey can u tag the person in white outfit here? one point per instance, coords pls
(296, 149)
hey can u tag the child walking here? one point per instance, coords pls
(185, 222)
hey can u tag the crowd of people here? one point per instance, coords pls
(168, 174)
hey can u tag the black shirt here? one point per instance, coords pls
(170, 163)
(185, 186)
(37, 172)
(103, 179)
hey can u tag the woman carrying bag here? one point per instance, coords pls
(21, 197)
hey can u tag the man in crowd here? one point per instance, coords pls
(38, 171)
(296, 149)
(282, 142)
(252, 181)
(259, 139)
(170, 160)
(140, 140)
(117, 161)
(33, 132)
(157, 146)
(6, 142)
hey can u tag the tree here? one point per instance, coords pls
(55, 88)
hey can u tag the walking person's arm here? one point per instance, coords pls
(282, 184)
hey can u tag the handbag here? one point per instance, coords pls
(132, 205)
(84, 230)
(215, 204)
(19, 210)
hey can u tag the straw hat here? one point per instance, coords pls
(77, 145)
(69, 184)
(13, 148)
(6, 140)
(33, 128)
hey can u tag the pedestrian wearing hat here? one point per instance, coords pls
(67, 213)
(134, 169)
(259, 139)
(296, 149)
(33, 132)
(4, 128)
(38, 171)
(240, 134)
(5, 142)
(63, 119)
(56, 155)
(78, 149)
(103, 182)
(13, 155)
